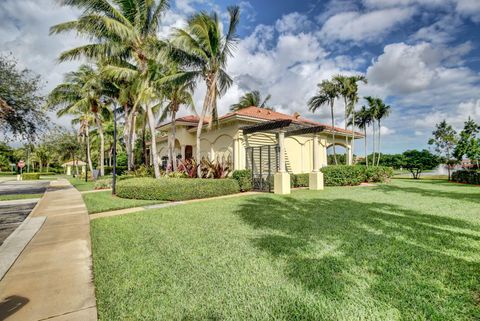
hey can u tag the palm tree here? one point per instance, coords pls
(83, 88)
(363, 119)
(348, 89)
(125, 36)
(176, 95)
(328, 91)
(84, 119)
(204, 51)
(372, 109)
(382, 112)
(252, 98)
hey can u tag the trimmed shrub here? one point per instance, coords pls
(343, 175)
(46, 173)
(7, 173)
(244, 179)
(119, 170)
(377, 174)
(299, 180)
(467, 177)
(30, 176)
(346, 175)
(175, 189)
(103, 183)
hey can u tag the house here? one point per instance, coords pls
(71, 165)
(259, 139)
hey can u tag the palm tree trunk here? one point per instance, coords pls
(153, 145)
(346, 127)
(333, 133)
(352, 143)
(89, 158)
(379, 141)
(126, 135)
(132, 139)
(144, 142)
(365, 141)
(102, 145)
(373, 143)
(174, 132)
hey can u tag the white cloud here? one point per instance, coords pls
(441, 31)
(292, 22)
(404, 69)
(369, 26)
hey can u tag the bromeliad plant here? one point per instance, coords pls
(215, 169)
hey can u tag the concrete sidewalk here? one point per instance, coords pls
(52, 278)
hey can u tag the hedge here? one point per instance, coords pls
(175, 189)
(119, 170)
(7, 173)
(30, 176)
(299, 180)
(103, 183)
(467, 177)
(244, 179)
(345, 175)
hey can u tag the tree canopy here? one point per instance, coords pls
(21, 111)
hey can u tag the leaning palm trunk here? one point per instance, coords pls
(102, 144)
(153, 147)
(126, 136)
(207, 103)
(333, 133)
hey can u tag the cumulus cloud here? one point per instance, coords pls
(369, 26)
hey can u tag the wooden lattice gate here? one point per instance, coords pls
(263, 162)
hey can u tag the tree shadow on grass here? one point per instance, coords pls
(424, 266)
(424, 188)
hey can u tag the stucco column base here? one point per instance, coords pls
(315, 181)
(281, 183)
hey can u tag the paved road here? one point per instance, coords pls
(13, 213)
(23, 187)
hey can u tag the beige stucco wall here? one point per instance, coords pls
(229, 142)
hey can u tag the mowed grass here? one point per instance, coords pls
(409, 250)
(81, 185)
(104, 201)
(11, 197)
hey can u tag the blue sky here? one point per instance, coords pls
(421, 56)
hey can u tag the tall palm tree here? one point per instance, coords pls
(328, 91)
(203, 49)
(83, 89)
(83, 118)
(177, 96)
(382, 112)
(372, 109)
(124, 35)
(252, 98)
(348, 88)
(363, 119)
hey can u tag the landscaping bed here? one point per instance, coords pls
(175, 189)
(408, 250)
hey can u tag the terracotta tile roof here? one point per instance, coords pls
(262, 113)
(266, 114)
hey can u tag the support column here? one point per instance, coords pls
(182, 151)
(281, 178)
(315, 178)
(236, 159)
(349, 155)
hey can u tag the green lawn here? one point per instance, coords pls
(81, 185)
(19, 196)
(104, 201)
(409, 250)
